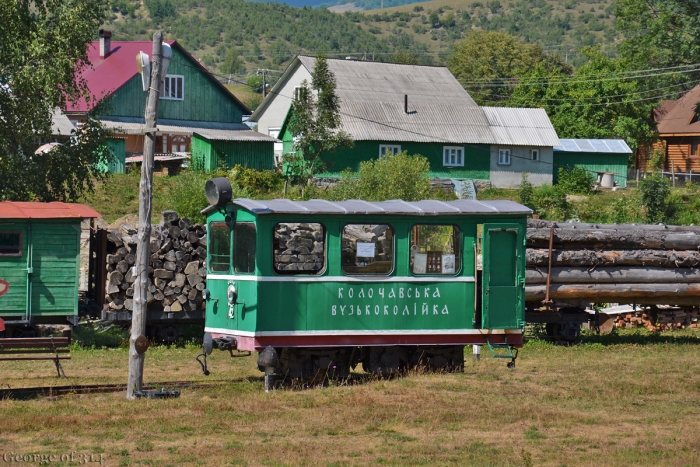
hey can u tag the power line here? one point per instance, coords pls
(439, 140)
(526, 82)
(610, 74)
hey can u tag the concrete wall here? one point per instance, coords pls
(510, 176)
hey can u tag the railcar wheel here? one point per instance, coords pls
(564, 333)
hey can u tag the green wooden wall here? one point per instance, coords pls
(476, 157)
(204, 100)
(54, 249)
(258, 155)
(593, 162)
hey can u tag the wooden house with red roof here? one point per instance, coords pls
(192, 101)
(679, 134)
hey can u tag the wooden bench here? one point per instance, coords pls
(37, 348)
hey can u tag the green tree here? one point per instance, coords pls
(596, 102)
(486, 62)
(43, 43)
(397, 176)
(315, 121)
(404, 58)
(232, 63)
(655, 190)
(659, 32)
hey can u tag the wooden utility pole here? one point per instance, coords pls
(138, 343)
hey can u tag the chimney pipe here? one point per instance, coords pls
(405, 103)
(105, 43)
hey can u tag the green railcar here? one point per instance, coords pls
(328, 285)
(40, 262)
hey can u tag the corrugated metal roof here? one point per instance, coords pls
(618, 146)
(158, 158)
(228, 135)
(210, 130)
(394, 207)
(389, 82)
(60, 124)
(55, 210)
(521, 126)
(379, 121)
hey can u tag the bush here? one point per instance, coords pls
(397, 176)
(575, 181)
(256, 181)
(186, 195)
(655, 190)
(525, 192)
(549, 202)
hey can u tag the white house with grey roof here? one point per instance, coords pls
(421, 110)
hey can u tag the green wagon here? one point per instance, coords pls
(40, 262)
(387, 284)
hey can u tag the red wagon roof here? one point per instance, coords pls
(55, 210)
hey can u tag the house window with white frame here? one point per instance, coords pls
(173, 88)
(535, 154)
(504, 156)
(453, 156)
(386, 149)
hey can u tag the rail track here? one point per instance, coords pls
(166, 389)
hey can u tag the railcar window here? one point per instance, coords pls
(244, 247)
(10, 244)
(298, 248)
(219, 247)
(435, 249)
(367, 249)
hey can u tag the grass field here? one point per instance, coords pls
(613, 401)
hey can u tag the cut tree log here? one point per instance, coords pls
(604, 258)
(542, 224)
(614, 292)
(572, 275)
(614, 239)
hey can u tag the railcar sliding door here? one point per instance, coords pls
(503, 282)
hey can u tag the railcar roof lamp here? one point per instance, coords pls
(218, 191)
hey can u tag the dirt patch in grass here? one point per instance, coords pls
(606, 404)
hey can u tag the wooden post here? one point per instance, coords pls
(673, 175)
(138, 317)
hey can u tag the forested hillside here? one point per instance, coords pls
(236, 37)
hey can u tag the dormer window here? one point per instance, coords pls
(173, 88)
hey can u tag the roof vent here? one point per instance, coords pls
(105, 43)
(405, 103)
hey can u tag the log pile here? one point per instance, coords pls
(618, 263)
(298, 247)
(176, 274)
(661, 320)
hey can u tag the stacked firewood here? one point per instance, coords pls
(176, 274)
(660, 319)
(298, 247)
(625, 263)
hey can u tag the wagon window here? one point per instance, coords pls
(219, 247)
(10, 244)
(435, 249)
(244, 247)
(298, 248)
(367, 249)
